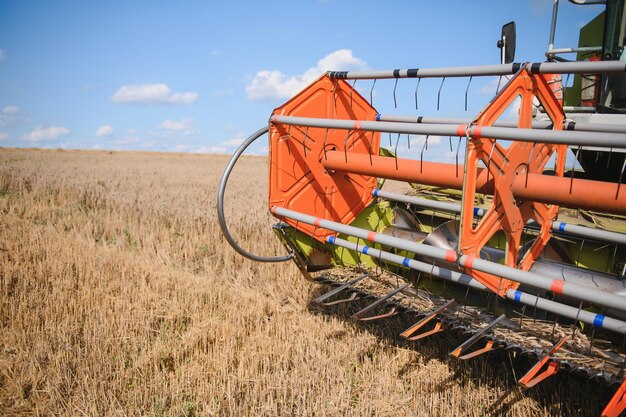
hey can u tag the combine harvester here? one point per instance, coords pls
(507, 250)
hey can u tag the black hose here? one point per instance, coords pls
(220, 203)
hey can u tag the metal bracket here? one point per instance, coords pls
(472, 340)
(359, 315)
(533, 377)
(617, 404)
(322, 298)
(407, 334)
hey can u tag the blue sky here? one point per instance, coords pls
(199, 76)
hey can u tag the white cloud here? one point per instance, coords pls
(223, 92)
(178, 127)
(8, 115)
(152, 94)
(236, 140)
(4, 135)
(212, 149)
(10, 110)
(104, 130)
(183, 124)
(2, 55)
(273, 84)
(49, 133)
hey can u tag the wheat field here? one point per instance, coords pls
(119, 297)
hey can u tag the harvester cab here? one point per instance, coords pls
(510, 245)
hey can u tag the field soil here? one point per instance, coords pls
(120, 297)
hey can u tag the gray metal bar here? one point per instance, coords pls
(580, 67)
(562, 310)
(588, 232)
(591, 295)
(220, 204)
(609, 140)
(555, 12)
(537, 124)
(573, 50)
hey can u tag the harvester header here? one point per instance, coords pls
(501, 229)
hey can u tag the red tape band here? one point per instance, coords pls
(371, 236)
(451, 256)
(557, 286)
(357, 125)
(469, 261)
(317, 222)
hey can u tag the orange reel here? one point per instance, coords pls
(504, 165)
(298, 181)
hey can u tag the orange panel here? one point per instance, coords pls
(298, 181)
(505, 166)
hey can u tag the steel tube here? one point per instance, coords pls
(579, 67)
(575, 193)
(571, 229)
(600, 139)
(554, 307)
(537, 124)
(557, 286)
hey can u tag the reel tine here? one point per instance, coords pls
(619, 183)
(493, 146)
(395, 103)
(528, 166)
(571, 182)
(417, 88)
(306, 132)
(498, 87)
(425, 145)
(390, 140)
(450, 142)
(458, 147)
(351, 91)
(408, 141)
(467, 90)
(372, 93)
(564, 86)
(335, 95)
(395, 151)
(325, 138)
(439, 92)
(370, 149)
(345, 146)
(287, 139)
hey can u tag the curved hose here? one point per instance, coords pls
(220, 203)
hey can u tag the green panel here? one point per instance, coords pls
(590, 35)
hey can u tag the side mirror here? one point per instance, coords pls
(507, 43)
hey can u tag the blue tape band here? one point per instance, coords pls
(378, 117)
(476, 211)
(331, 239)
(598, 321)
(365, 249)
(406, 262)
(562, 227)
(375, 192)
(518, 296)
